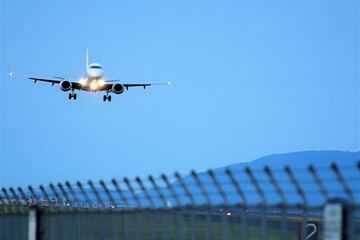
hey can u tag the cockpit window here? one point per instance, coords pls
(95, 67)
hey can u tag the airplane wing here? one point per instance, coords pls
(105, 87)
(144, 85)
(108, 85)
(127, 85)
(75, 85)
(45, 80)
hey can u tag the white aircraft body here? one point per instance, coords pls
(92, 81)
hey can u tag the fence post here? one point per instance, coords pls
(282, 203)
(13, 209)
(318, 182)
(184, 187)
(17, 200)
(113, 203)
(340, 178)
(23, 196)
(151, 179)
(201, 186)
(336, 224)
(3, 203)
(173, 194)
(119, 191)
(73, 193)
(225, 203)
(36, 224)
(139, 206)
(134, 195)
(90, 206)
(142, 187)
(347, 205)
(263, 201)
(67, 199)
(101, 203)
(243, 204)
(303, 198)
(34, 195)
(191, 205)
(47, 198)
(218, 187)
(58, 198)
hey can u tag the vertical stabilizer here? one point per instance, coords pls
(87, 58)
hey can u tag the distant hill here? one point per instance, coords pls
(302, 159)
(298, 162)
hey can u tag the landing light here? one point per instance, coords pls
(101, 82)
(82, 81)
(93, 85)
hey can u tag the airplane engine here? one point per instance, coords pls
(117, 88)
(65, 86)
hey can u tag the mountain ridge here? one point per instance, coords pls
(309, 157)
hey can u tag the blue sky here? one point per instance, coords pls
(249, 79)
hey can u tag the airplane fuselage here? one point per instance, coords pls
(94, 71)
(93, 79)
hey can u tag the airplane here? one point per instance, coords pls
(92, 81)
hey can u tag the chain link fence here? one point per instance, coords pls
(243, 203)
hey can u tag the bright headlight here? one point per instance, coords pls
(82, 81)
(93, 85)
(101, 82)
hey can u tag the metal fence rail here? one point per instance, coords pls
(223, 204)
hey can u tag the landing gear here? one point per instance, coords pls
(107, 97)
(72, 95)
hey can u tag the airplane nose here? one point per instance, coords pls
(95, 73)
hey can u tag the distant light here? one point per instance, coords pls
(11, 74)
(169, 82)
(229, 214)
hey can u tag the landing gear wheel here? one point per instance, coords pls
(72, 95)
(107, 97)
